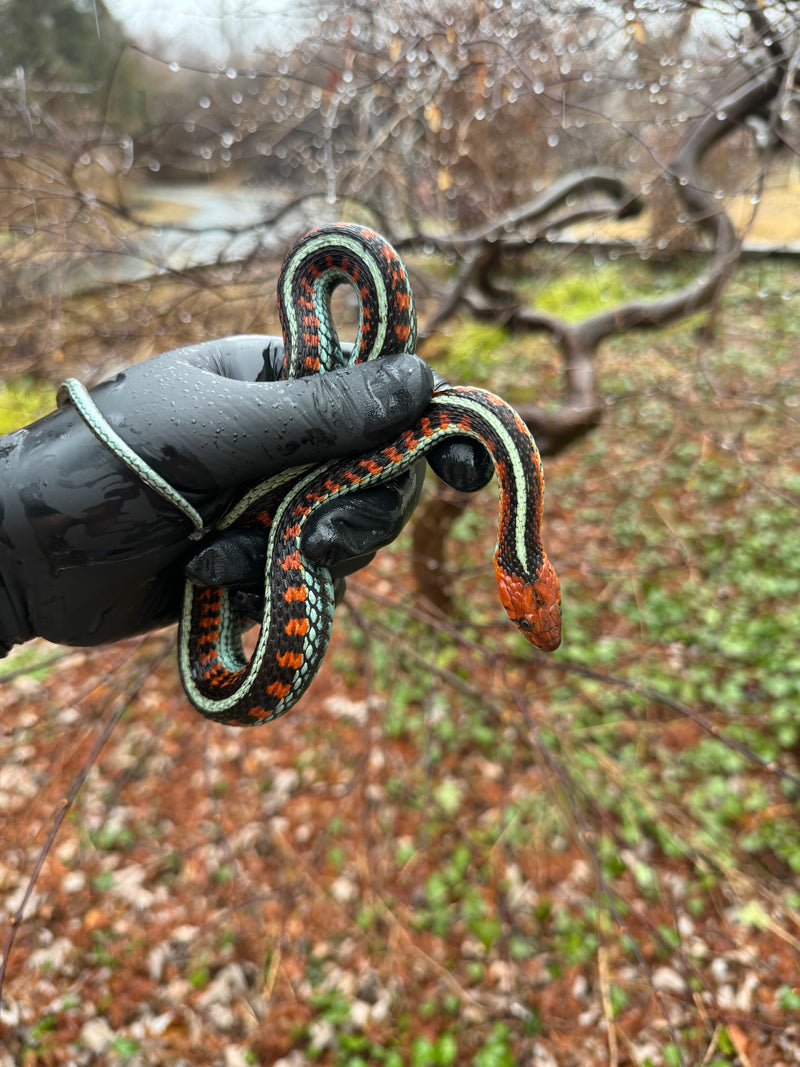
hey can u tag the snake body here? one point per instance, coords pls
(220, 680)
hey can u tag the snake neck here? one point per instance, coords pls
(527, 583)
(486, 418)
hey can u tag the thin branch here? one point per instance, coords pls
(129, 690)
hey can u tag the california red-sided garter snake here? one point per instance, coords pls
(219, 679)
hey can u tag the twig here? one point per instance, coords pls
(131, 691)
(570, 667)
(608, 1009)
(449, 979)
(38, 665)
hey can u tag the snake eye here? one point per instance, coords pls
(524, 624)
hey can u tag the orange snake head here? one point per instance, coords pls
(533, 607)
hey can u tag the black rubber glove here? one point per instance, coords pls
(90, 554)
(347, 534)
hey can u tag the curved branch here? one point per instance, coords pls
(703, 208)
(482, 250)
(558, 193)
(753, 95)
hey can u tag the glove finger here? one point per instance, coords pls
(342, 536)
(273, 355)
(232, 432)
(268, 425)
(359, 524)
(462, 463)
(243, 357)
(235, 557)
(248, 605)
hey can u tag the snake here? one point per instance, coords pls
(221, 681)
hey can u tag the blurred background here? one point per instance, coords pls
(454, 851)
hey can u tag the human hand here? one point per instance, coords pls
(89, 553)
(345, 534)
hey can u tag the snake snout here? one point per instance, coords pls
(548, 635)
(534, 607)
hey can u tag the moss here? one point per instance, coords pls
(23, 400)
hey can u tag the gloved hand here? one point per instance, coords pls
(89, 553)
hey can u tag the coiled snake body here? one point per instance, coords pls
(221, 682)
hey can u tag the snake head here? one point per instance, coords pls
(533, 606)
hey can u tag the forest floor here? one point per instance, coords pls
(454, 850)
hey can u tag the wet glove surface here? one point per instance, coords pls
(89, 554)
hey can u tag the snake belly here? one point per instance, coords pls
(221, 681)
